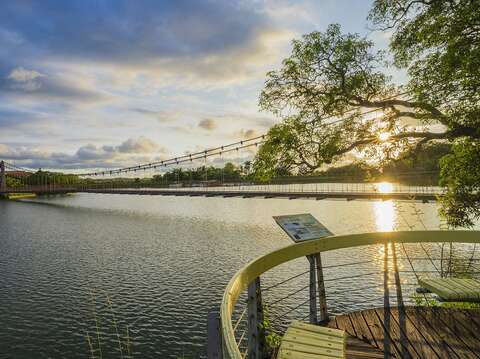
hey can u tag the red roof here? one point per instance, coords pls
(17, 173)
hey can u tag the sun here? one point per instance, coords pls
(383, 136)
(384, 187)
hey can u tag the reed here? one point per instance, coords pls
(95, 343)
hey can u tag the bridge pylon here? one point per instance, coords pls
(3, 177)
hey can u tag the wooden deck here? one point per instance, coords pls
(411, 332)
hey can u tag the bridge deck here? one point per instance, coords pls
(245, 193)
(411, 332)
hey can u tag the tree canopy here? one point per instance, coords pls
(336, 100)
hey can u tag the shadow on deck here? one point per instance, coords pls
(411, 332)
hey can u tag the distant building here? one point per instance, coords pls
(17, 174)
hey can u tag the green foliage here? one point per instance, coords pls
(426, 300)
(45, 177)
(331, 74)
(438, 43)
(460, 172)
(323, 73)
(229, 173)
(272, 339)
(13, 182)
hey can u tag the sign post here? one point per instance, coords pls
(301, 228)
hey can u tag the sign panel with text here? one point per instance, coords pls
(302, 227)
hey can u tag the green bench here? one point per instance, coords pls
(453, 289)
(307, 341)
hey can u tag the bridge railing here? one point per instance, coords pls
(351, 273)
(293, 188)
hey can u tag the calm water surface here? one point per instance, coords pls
(162, 263)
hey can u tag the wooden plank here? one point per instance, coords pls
(436, 342)
(344, 323)
(357, 349)
(470, 286)
(332, 323)
(443, 332)
(311, 349)
(318, 329)
(453, 286)
(310, 340)
(363, 331)
(415, 336)
(453, 321)
(290, 354)
(377, 330)
(403, 347)
(438, 288)
(473, 317)
(304, 335)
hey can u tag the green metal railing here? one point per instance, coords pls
(248, 276)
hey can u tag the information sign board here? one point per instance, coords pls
(302, 227)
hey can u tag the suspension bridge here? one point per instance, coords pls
(131, 179)
(315, 188)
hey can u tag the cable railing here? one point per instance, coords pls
(292, 190)
(265, 296)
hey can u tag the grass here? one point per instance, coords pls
(98, 345)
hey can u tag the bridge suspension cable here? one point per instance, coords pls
(215, 151)
(17, 168)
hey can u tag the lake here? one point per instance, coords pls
(156, 265)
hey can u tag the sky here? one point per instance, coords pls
(105, 84)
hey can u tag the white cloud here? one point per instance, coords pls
(129, 152)
(25, 79)
(139, 145)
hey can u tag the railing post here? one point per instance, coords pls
(256, 334)
(3, 178)
(322, 297)
(214, 339)
(313, 290)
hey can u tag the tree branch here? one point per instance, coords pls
(436, 113)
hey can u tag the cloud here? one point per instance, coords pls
(163, 68)
(160, 115)
(207, 42)
(129, 152)
(208, 124)
(25, 79)
(11, 118)
(140, 145)
(128, 32)
(246, 134)
(29, 83)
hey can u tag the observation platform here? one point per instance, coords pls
(364, 284)
(411, 332)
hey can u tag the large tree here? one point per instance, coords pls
(335, 98)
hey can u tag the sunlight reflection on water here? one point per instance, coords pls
(385, 215)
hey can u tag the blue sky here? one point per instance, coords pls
(90, 84)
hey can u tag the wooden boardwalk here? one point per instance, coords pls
(411, 332)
